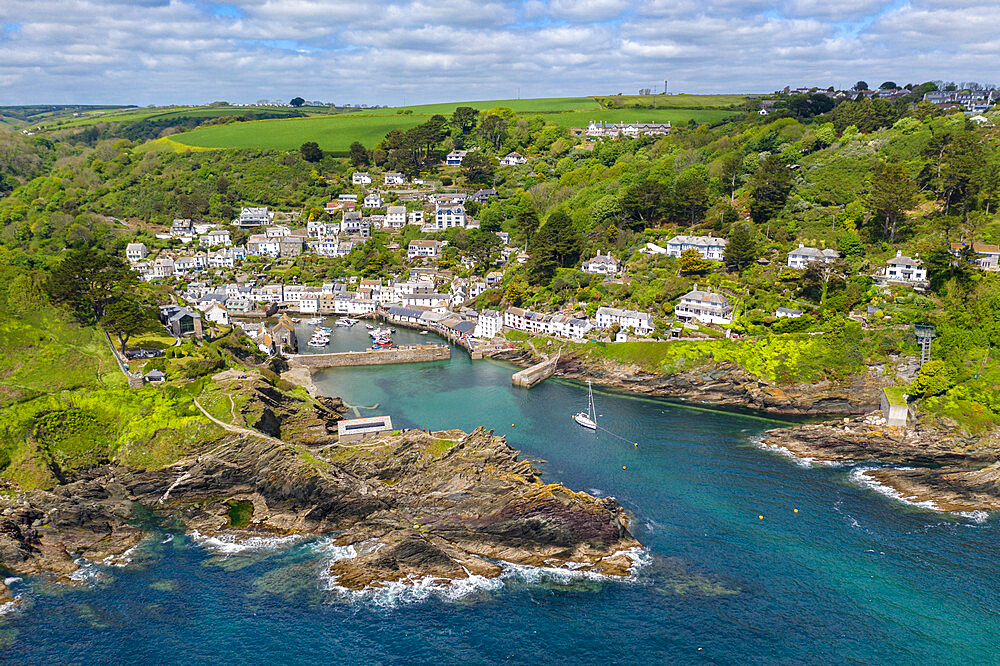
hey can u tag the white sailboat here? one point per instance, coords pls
(588, 419)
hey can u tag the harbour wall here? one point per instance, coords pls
(411, 354)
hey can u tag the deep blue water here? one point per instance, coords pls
(853, 576)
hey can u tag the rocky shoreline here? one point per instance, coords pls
(933, 465)
(445, 504)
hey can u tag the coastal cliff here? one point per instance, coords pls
(445, 504)
(723, 385)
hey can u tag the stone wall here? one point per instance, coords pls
(414, 354)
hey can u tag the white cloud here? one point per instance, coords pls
(172, 51)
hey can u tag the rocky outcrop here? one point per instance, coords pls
(950, 471)
(722, 386)
(447, 504)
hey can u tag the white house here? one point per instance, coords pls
(262, 246)
(987, 257)
(136, 252)
(395, 217)
(446, 217)
(354, 224)
(570, 327)
(455, 157)
(788, 313)
(393, 178)
(802, 256)
(162, 268)
(488, 325)
(221, 259)
(708, 247)
(513, 159)
(415, 217)
(361, 178)
(640, 322)
(277, 231)
(419, 249)
(705, 306)
(373, 200)
(216, 313)
(214, 238)
(602, 264)
(254, 217)
(904, 269)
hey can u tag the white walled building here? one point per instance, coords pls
(705, 306)
(802, 256)
(640, 322)
(708, 247)
(488, 325)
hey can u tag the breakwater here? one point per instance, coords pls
(411, 354)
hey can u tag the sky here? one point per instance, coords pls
(421, 51)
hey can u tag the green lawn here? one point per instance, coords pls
(672, 101)
(336, 133)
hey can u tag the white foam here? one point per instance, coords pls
(12, 580)
(596, 492)
(977, 517)
(120, 560)
(801, 461)
(231, 544)
(10, 606)
(414, 588)
(170, 537)
(860, 476)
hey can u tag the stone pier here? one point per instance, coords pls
(411, 354)
(539, 372)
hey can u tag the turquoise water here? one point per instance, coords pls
(853, 576)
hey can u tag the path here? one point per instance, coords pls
(236, 429)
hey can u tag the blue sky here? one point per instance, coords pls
(376, 52)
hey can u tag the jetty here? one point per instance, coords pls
(539, 372)
(410, 354)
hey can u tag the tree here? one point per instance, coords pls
(691, 191)
(888, 85)
(125, 318)
(297, 102)
(770, 185)
(731, 171)
(557, 244)
(527, 222)
(88, 281)
(890, 194)
(934, 378)
(692, 263)
(483, 247)
(477, 167)
(311, 151)
(741, 250)
(464, 119)
(860, 85)
(359, 155)
(646, 201)
(493, 131)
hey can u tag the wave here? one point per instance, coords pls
(414, 589)
(801, 461)
(10, 606)
(860, 476)
(977, 517)
(228, 543)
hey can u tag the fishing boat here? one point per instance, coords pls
(369, 326)
(314, 321)
(588, 419)
(423, 332)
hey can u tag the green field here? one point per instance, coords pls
(671, 101)
(336, 133)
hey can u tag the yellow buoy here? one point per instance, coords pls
(795, 510)
(637, 444)
(623, 466)
(760, 517)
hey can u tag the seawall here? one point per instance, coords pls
(412, 354)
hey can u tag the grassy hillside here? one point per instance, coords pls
(338, 132)
(671, 101)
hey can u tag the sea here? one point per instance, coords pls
(749, 556)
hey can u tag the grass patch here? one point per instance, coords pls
(439, 447)
(240, 513)
(683, 101)
(895, 396)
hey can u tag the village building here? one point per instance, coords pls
(446, 217)
(215, 238)
(356, 430)
(395, 217)
(513, 159)
(361, 178)
(373, 200)
(415, 217)
(394, 178)
(488, 325)
(182, 227)
(353, 224)
(788, 313)
(706, 306)
(455, 157)
(601, 264)
(985, 257)
(906, 270)
(260, 245)
(641, 323)
(708, 247)
(181, 322)
(423, 249)
(802, 256)
(254, 217)
(136, 252)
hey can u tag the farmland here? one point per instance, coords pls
(336, 133)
